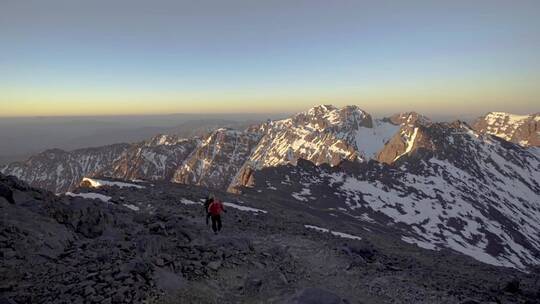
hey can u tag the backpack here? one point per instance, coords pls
(215, 207)
(207, 204)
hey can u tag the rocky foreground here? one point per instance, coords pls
(148, 243)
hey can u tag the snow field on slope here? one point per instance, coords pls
(372, 140)
(334, 233)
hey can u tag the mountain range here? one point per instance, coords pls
(226, 158)
(473, 189)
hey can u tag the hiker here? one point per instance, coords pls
(215, 209)
(209, 199)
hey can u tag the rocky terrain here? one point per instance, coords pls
(121, 242)
(520, 129)
(451, 188)
(448, 188)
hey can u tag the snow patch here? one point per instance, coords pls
(132, 207)
(301, 196)
(185, 201)
(409, 144)
(96, 183)
(244, 208)
(334, 233)
(372, 140)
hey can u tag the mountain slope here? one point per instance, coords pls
(154, 159)
(452, 188)
(149, 244)
(402, 142)
(217, 158)
(520, 129)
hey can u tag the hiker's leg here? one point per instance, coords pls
(218, 222)
(214, 222)
(207, 217)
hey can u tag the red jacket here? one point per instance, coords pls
(215, 208)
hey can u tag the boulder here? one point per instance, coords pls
(512, 286)
(215, 265)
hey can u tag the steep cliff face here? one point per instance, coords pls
(523, 130)
(409, 137)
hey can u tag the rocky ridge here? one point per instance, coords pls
(520, 129)
(215, 161)
(149, 244)
(451, 188)
(155, 159)
(59, 171)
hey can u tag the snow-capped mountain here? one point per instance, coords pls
(155, 159)
(520, 129)
(454, 189)
(217, 158)
(407, 118)
(59, 171)
(323, 135)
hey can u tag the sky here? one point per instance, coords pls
(129, 57)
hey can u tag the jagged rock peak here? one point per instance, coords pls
(408, 118)
(322, 117)
(217, 159)
(164, 140)
(520, 129)
(512, 117)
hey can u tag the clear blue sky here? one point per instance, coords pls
(133, 57)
